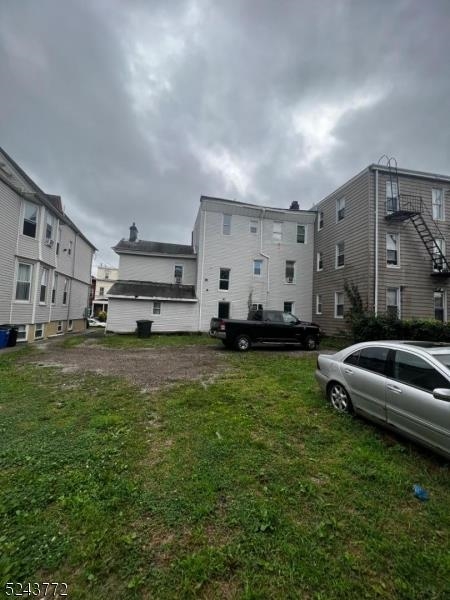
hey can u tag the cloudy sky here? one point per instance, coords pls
(131, 109)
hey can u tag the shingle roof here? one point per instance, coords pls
(146, 247)
(151, 289)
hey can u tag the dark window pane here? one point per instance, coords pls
(414, 370)
(374, 359)
(353, 359)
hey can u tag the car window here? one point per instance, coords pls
(414, 370)
(353, 359)
(444, 359)
(288, 318)
(274, 316)
(374, 359)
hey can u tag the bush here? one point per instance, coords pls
(102, 316)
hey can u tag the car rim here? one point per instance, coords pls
(243, 344)
(339, 398)
(311, 343)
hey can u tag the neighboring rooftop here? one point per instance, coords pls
(148, 247)
(151, 289)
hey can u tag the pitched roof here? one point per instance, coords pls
(146, 247)
(151, 289)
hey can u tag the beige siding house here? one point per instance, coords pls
(45, 260)
(386, 231)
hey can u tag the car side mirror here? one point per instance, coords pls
(442, 394)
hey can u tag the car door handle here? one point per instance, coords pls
(349, 371)
(394, 388)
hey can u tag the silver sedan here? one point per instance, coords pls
(404, 385)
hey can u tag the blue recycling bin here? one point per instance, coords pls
(4, 337)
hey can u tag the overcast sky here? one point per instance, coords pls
(131, 110)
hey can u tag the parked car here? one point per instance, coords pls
(95, 322)
(403, 385)
(265, 327)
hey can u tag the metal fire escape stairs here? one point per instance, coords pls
(404, 207)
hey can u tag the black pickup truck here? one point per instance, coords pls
(266, 327)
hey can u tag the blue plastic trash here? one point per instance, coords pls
(4, 335)
(420, 493)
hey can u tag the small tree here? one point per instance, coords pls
(102, 316)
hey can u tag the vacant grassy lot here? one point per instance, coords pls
(242, 486)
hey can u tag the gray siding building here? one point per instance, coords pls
(385, 230)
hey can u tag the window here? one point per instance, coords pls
(178, 273)
(38, 331)
(301, 234)
(320, 221)
(226, 225)
(414, 370)
(353, 359)
(59, 327)
(49, 226)
(156, 308)
(257, 306)
(29, 219)
(22, 333)
(257, 267)
(55, 287)
(439, 305)
(23, 285)
(340, 258)
(393, 302)
(391, 197)
(70, 325)
(69, 251)
(438, 253)
(223, 310)
(437, 204)
(101, 291)
(318, 304)
(288, 318)
(319, 261)
(392, 249)
(340, 209)
(253, 226)
(224, 279)
(44, 284)
(106, 274)
(339, 305)
(65, 291)
(290, 271)
(374, 359)
(277, 231)
(288, 307)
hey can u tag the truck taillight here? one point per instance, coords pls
(221, 326)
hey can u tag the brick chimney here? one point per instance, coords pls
(133, 233)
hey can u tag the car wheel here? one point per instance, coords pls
(242, 343)
(310, 343)
(339, 398)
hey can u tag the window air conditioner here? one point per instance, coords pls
(289, 279)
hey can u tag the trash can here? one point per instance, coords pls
(12, 340)
(4, 336)
(144, 328)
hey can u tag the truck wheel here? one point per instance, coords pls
(242, 343)
(310, 343)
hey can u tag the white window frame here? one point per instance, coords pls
(301, 227)
(292, 306)
(253, 226)
(42, 329)
(440, 243)
(320, 220)
(398, 299)
(30, 282)
(54, 288)
(340, 209)
(178, 278)
(257, 262)
(157, 305)
(318, 304)
(319, 261)
(391, 194)
(24, 331)
(65, 291)
(437, 202)
(277, 231)
(35, 207)
(226, 224)
(49, 224)
(389, 238)
(289, 280)
(70, 325)
(44, 285)
(337, 296)
(59, 327)
(337, 265)
(225, 279)
(442, 294)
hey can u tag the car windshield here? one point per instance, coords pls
(289, 318)
(444, 359)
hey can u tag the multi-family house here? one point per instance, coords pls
(241, 256)
(45, 260)
(384, 231)
(104, 279)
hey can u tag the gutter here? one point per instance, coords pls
(263, 212)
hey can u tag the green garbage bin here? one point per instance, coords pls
(144, 328)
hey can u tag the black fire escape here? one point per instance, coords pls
(404, 207)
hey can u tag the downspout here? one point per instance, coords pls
(375, 304)
(202, 246)
(71, 281)
(263, 212)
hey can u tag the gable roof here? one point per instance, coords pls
(152, 289)
(147, 247)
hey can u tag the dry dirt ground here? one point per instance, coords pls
(149, 368)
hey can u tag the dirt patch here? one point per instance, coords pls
(149, 368)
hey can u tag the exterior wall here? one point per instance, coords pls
(355, 232)
(237, 252)
(157, 269)
(175, 316)
(9, 224)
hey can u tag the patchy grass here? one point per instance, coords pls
(250, 487)
(156, 340)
